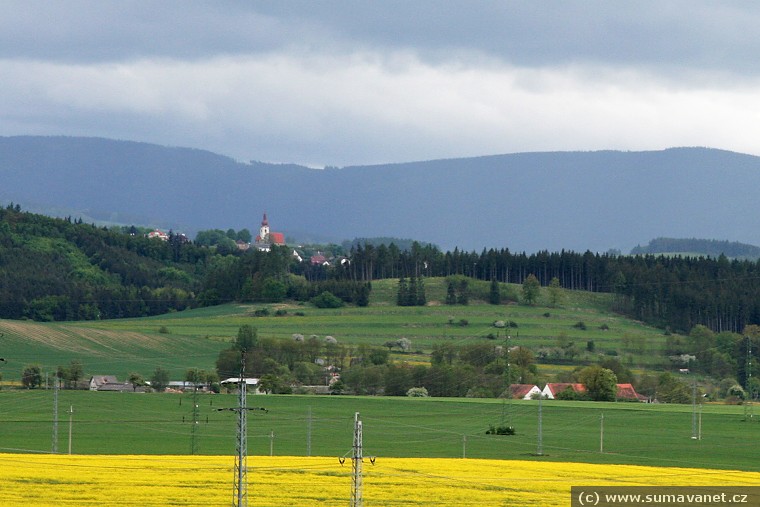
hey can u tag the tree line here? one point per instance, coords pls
(677, 292)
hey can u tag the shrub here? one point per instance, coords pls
(327, 300)
(580, 325)
(417, 392)
(163, 330)
(281, 312)
(500, 430)
(261, 312)
(567, 394)
(604, 327)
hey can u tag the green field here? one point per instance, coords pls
(128, 423)
(193, 339)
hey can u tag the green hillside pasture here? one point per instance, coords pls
(129, 423)
(424, 326)
(193, 338)
(101, 351)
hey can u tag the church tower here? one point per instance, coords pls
(267, 238)
(264, 230)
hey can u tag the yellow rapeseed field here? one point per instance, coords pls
(60, 480)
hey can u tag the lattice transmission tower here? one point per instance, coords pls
(240, 479)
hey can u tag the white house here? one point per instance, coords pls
(251, 384)
(524, 391)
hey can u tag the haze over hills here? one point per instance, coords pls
(524, 202)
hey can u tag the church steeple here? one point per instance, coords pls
(264, 231)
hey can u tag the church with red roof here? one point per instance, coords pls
(267, 238)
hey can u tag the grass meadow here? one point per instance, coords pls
(193, 338)
(161, 424)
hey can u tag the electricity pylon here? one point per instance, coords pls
(240, 480)
(356, 464)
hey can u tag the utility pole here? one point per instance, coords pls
(71, 423)
(540, 444)
(55, 415)
(694, 410)
(271, 442)
(308, 433)
(464, 446)
(509, 381)
(700, 422)
(601, 434)
(356, 464)
(748, 381)
(194, 427)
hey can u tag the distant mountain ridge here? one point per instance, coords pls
(706, 247)
(525, 201)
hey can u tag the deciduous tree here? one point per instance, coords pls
(531, 289)
(601, 383)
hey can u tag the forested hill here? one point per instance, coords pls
(706, 247)
(58, 269)
(525, 201)
(64, 269)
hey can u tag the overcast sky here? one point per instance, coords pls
(360, 82)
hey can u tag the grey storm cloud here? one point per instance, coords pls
(338, 82)
(678, 33)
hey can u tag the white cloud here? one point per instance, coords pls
(367, 107)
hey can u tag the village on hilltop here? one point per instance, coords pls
(263, 242)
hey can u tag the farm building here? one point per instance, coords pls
(624, 391)
(184, 385)
(552, 389)
(524, 391)
(627, 392)
(97, 381)
(252, 384)
(121, 387)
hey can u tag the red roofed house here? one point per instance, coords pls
(627, 392)
(158, 234)
(266, 238)
(524, 391)
(551, 390)
(624, 391)
(319, 260)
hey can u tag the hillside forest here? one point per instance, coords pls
(56, 269)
